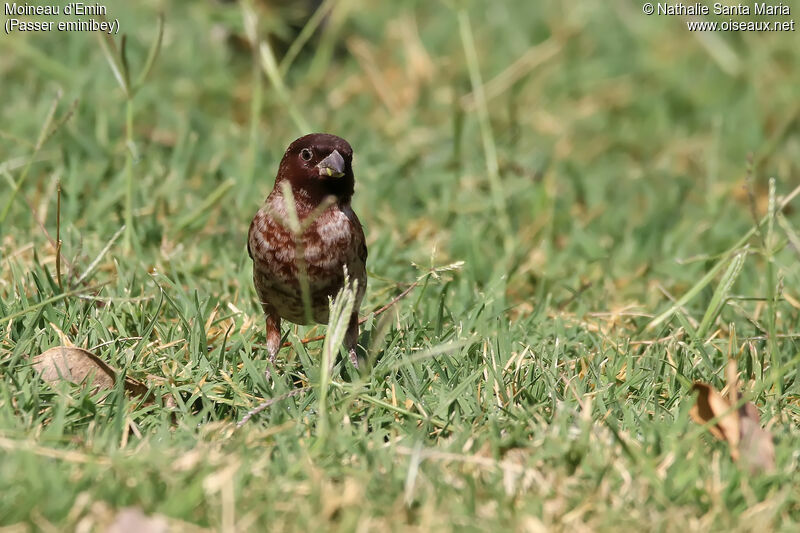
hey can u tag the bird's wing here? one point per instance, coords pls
(249, 235)
(359, 236)
(363, 251)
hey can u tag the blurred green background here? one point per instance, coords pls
(587, 165)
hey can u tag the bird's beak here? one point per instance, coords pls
(332, 166)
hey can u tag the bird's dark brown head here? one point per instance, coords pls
(319, 164)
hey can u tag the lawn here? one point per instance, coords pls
(592, 209)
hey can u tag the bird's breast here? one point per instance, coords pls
(328, 244)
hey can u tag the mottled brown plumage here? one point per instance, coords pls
(319, 169)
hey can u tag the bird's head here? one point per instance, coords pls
(319, 164)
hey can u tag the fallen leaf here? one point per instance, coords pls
(76, 365)
(749, 443)
(710, 405)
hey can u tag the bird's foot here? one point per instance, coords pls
(270, 365)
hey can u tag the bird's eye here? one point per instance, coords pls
(305, 153)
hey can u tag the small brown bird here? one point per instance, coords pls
(318, 167)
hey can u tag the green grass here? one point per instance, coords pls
(587, 164)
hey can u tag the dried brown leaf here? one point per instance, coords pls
(75, 365)
(711, 405)
(741, 429)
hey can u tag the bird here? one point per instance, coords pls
(318, 169)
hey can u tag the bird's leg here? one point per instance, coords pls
(351, 337)
(273, 340)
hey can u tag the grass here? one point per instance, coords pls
(568, 181)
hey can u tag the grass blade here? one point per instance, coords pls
(273, 73)
(723, 289)
(152, 54)
(706, 279)
(44, 134)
